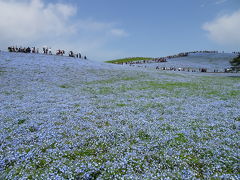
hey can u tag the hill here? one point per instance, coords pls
(194, 61)
(65, 118)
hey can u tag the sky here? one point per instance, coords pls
(110, 29)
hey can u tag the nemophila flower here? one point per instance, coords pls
(68, 119)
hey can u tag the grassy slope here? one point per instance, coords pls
(123, 60)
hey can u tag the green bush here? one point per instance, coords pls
(235, 61)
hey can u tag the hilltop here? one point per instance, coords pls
(66, 118)
(128, 59)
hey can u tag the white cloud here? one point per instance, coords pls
(119, 32)
(33, 22)
(212, 2)
(220, 1)
(225, 30)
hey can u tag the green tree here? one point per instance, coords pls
(235, 61)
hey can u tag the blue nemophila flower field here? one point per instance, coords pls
(64, 118)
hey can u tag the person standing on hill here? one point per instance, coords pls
(50, 51)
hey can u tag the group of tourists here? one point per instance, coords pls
(76, 55)
(204, 52)
(226, 70)
(183, 69)
(46, 50)
(23, 49)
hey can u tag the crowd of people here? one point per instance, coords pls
(23, 50)
(236, 52)
(204, 52)
(46, 50)
(183, 69)
(226, 70)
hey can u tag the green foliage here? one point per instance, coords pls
(105, 90)
(64, 86)
(235, 61)
(123, 60)
(168, 85)
(77, 105)
(21, 121)
(121, 105)
(51, 146)
(237, 118)
(76, 154)
(181, 138)
(2, 70)
(32, 129)
(143, 135)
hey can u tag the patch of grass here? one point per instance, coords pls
(194, 162)
(77, 105)
(222, 96)
(153, 106)
(112, 80)
(129, 59)
(103, 124)
(58, 123)
(129, 78)
(123, 88)
(167, 85)
(78, 154)
(143, 135)
(167, 128)
(103, 107)
(181, 138)
(237, 118)
(1, 72)
(233, 93)
(220, 78)
(27, 150)
(64, 86)
(6, 93)
(132, 141)
(105, 90)
(121, 105)
(41, 163)
(137, 164)
(107, 81)
(9, 163)
(21, 121)
(213, 92)
(51, 146)
(172, 74)
(32, 129)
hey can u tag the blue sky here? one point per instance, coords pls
(108, 29)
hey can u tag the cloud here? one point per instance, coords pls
(212, 2)
(220, 1)
(35, 22)
(119, 32)
(225, 30)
